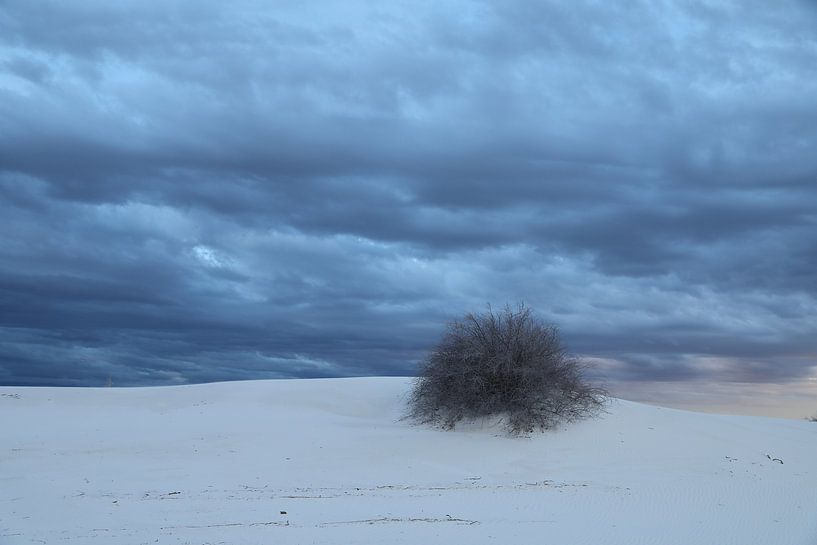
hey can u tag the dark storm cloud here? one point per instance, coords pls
(193, 192)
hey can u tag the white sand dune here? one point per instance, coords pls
(329, 461)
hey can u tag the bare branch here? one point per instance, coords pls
(510, 364)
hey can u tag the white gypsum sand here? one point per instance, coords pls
(329, 461)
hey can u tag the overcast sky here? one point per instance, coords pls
(194, 191)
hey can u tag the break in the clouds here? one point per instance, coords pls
(196, 191)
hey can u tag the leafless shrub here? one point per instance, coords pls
(509, 364)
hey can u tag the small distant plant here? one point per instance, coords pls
(509, 364)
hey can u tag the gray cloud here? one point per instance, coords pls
(194, 192)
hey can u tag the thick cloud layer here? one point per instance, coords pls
(200, 191)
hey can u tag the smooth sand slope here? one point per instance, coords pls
(329, 461)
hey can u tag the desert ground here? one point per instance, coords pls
(331, 461)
